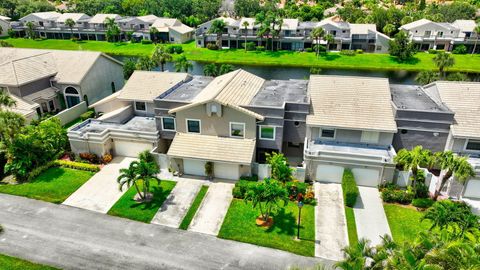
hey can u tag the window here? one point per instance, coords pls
(327, 133)
(168, 123)
(51, 105)
(379, 48)
(44, 107)
(473, 145)
(193, 126)
(267, 133)
(428, 33)
(140, 106)
(440, 34)
(214, 108)
(112, 85)
(237, 129)
(370, 137)
(333, 32)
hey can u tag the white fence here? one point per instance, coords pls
(68, 115)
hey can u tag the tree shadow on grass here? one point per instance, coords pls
(47, 176)
(159, 196)
(411, 61)
(330, 57)
(283, 223)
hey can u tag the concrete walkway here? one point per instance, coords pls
(370, 216)
(101, 192)
(177, 203)
(331, 234)
(212, 211)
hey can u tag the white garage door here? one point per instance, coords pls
(473, 189)
(130, 149)
(329, 173)
(226, 171)
(366, 177)
(194, 167)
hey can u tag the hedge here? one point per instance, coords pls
(77, 165)
(422, 202)
(349, 187)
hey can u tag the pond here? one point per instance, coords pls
(284, 73)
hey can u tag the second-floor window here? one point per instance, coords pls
(327, 133)
(193, 126)
(140, 106)
(168, 123)
(237, 130)
(267, 133)
(440, 34)
(473, 145)
(370, 137)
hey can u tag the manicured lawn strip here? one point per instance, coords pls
(239, 225)
(365, 61)
(351, 226)
(12, 263)
(127, 207)
(193, 209)
(404, 222)
(54, 185)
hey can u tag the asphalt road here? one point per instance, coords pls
(72, 238)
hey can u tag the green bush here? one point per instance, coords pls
(5, 44)
(422, 202)
(395, 195)
(350, 189)
(212, 46)
(178, 49)
(241, 187)
(348, 52)
(432, 51)
(294, 188)
(87, 115)
(250, 46)
(260, 48)
(237, 193)
(77, 165)
(309, 50)
(358, 51)
(460, 49)
(253, 178)
(146, 41)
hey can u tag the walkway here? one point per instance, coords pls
(370, 216)
(72, 238)
(331, 234)
(178, 202)
(101, 192)
(212, 211)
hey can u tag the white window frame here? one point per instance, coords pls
(237, 123)
(470, 150)
(174, 123)
(199, 125)
(366, 139)
(328, 138)
(267, 126)
(135, 104)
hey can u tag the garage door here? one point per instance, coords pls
(473, 189)
(329, 173)
(130, 149)
(226, 171)
(366, 177)
(194, 167)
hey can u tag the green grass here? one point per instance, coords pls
(366, 61)
(127, 207)
(54, 185)
(12, 263)
(404, 222)
(239, 225)
(351, 226)
(193, 209)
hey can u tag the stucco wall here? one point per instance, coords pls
(426, 139)
(68, 115)
(30, 88)
(353, 136)
(5, 27)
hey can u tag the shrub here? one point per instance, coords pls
(350, 189)
(309, 50)
(75, 39)
(87, 115)
(5, 44)
(294, 188)
(432, 51)
(107, 158)
(250, 46)
(90, 157)
(146, 41)
(253, 178)
(241, 187)
(39, 170)
(237, 193)
(460, 49)
(422, 202)
(260, 48)
(420, 190)
(358, 51)
(11, 33)
(178, 49)
(348, 52)
(212, 46)
(77, 165)
(395, 195)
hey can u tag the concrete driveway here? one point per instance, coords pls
(331, 234)
(212, 211)
(178, 202)
(370, 216)
(101, 192)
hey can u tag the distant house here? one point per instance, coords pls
(4, 25)
(47, 81)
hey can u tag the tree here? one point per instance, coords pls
(245, 25)
(457, 76)
(70, 23)
(413, 159)
(266, 196)
(113, 31)
(443, 61)
(452, 165)
(317, 34)
(145, 63)
(210, 70)
(329, 39)
(247, 8)
(129, 67)
(426, 77)
(225, 68)
(476, 30)
(5, 99)
(1, 30)
(161, 57)
(388, 29)
(279, 166)
(217, 28)
(401, 47)
(30, 31)
(182, 64)
(154, 34)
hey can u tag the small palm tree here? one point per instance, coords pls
(267, 195)
(245, 25)
(217, 28)
(210, 70)
(145, 63)
(225, 68)
(70, 23)
(161, 57)
(453, 165)
(5, 99)
(443, 61)
(413, 159)
(146, 172)
(182, 64)
(476, 30)
(317, 34)
(426, 77)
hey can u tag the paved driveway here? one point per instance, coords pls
(101, 192)
(331, 234)
(178, 202)
(370, 216)
(212, 211)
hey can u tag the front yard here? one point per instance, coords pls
(53, 185)
(127, 207)
(239, 225)
(405, 222)
(12, 263)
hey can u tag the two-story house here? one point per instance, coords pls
(5, 25)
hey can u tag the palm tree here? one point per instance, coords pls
(267, 195)
(476, 30)
(329, 39)
(259, 21)
(146, 172)
(443, 61)
(217, 28)
(426, 77)
(413, 159)
(5, 99)
(210, 70)
(317, 34)
(452, 165)
(70, 23)
(30, 30)
(128, 177)
(145, 63)
(225, 68)
(112, 29)
(153, 34)
(182, 64)
(245, 25)
(161, 57)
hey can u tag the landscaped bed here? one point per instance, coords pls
(193, 208)
(53, 185)
(12, 263)
(128, 207)
(239, 225)
(405, 222)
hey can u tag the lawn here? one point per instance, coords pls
(366, 61)
(351, 226)
(127, 207)
(239, 225)
(405, 222)
(193, 208)
(12, 263)
(54, 185)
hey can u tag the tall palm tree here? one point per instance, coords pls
(30, 30)
(217, 28)
(113, 30)
(182, 64)
(70, 23)
(413, 159)
(260, 19)
(476, 30)
(452, 165)
(5, 99)
(317, 34)
(161, 57)
(128, 177)
(443, 61)
(245, 25)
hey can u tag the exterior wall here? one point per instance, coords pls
(91, 147)
(112, 105)
(149, 112)
(420, 31)
(30, 88)
(67, 116)
(384, 44)
(5, 27)
(180, 38)
(120, 117)
(424, 138)
(353, 136)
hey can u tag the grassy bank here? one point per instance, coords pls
(422, 61)
(12, 263)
